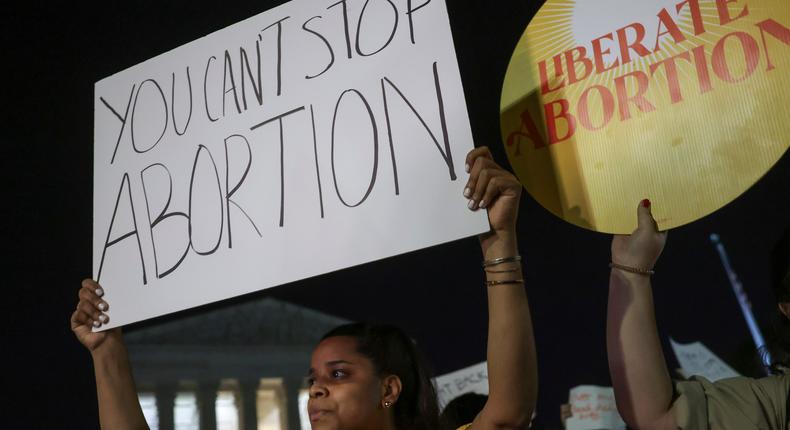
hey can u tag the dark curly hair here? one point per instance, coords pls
(394, 353)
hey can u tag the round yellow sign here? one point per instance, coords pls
(608, 102)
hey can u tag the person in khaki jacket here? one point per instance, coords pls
(647, 398)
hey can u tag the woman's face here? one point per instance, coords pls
(345, 391)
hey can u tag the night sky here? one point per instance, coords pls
(53, 56)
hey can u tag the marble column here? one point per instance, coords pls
(291, 387)
(249, 404)
(165, 406)
(207, 405)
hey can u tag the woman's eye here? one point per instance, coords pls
(338, 373)
(310, 382)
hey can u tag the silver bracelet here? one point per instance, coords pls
(501, 260)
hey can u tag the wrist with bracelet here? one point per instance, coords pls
(488, 268)
(631, 269)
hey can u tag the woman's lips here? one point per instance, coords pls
(316, 414)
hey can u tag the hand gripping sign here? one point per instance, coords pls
(609, 102)
(309, 138)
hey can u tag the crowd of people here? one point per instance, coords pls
(368, 376)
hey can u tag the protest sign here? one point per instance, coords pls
(472, 379)
(609, 102)
(593, 408)
(696, 359)
(312, 137)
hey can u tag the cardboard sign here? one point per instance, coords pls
(593, 408)
(608, 102)
(312, 137)
(696, 359)
(472, 379)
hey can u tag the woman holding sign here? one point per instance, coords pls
(371, 377)
(645, 394)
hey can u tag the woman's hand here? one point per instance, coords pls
(642, 248)
(494, 188)
(119, 407)
(91, 313)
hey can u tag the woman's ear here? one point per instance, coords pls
(390, 390)
(784, 308)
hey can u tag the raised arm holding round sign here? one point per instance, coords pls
(646, 396)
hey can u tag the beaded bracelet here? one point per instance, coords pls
(637, 270)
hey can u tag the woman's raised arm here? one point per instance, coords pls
(642, 385)
(119, 407)
(512, 362)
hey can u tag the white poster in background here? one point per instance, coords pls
(696, 359)
(312, 137)
(472, 379)
(593, 408)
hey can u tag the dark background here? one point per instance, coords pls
(53, 54)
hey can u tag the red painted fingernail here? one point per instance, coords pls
(646, 203)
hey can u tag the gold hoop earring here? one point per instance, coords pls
(387, 404)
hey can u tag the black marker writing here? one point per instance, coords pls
(120, 118)
(125, 185)
(279, 25)
(229, 192)
(359, 27)
(279, 119)
(375, 148)
(173, 103)
(328, 46)
(257, 86)
(205, 88)
(163, 215)
(228, 71)
(203, 149)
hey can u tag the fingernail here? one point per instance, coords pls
(99, 292)
(103, 318)
(646, 203)
(468, 169)
(102, 306)
(467, 192)
(96, 324)
(482, 203)
(471, 205)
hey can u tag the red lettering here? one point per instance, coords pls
(607, 103)
(671, 71)
(776, 30)
(672, 29)
(545, 85)
(552, 117)
(571, 61)
(531, 133)
(724, 11)
(751, 52)
(598, 54)
(636, 45)
(638, 99)
(696, 15)
(701, 64)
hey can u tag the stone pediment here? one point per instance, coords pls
(265, 321)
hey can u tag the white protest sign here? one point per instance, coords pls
(593, 408)
(472, 379)
(312, 137)
(696, 359)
